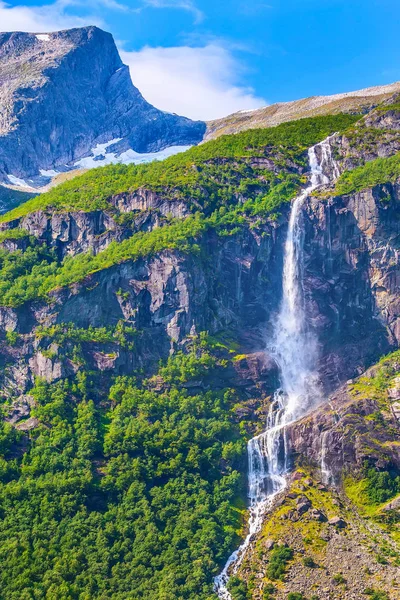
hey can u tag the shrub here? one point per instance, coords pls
(308, 562)
(280, 556)
(238, 589)
(380, 170)
(376, 594)
(268, 591)
(12, 338)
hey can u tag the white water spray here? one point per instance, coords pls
(294, 349)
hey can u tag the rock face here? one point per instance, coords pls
(352, 274)
(64, 93)
(352, 277)
(168, 297)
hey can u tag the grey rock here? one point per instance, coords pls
(19, 409)
(303, 504)
(28, 425)
(317, 515)
(337, 522)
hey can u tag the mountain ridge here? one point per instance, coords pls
(280, 112)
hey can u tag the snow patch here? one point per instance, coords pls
(250, 110)
(19, 182)
(49, 173)
(100, 157)
(43, 37)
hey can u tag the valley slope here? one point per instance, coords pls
(135, 305)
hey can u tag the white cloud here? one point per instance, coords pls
(201, 83)
(51, 17)
(180, 4)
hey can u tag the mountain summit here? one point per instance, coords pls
(67, 95)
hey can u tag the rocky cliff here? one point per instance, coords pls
(65, 93)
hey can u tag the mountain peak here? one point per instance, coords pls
(63, 93)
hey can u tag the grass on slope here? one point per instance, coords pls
(380, 170)
(92, 190)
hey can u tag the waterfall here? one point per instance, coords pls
(326, 475)
(294, 349)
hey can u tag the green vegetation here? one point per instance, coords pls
(296, 596)
(132, 496)
(376, 594)
(395, 106)
(210, 178)
(380, 170)
(338, 579)
(190, 174)
(279, 558)
(372, 488)
(13, 234)
(238, 589)
(12, 338)
(380, 486)
(63, 333)
(268, 592)
(375, 386)
(308, 561)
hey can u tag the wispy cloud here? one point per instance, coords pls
(201, 83)
(187, 5)
(43, 18)
(253, 8)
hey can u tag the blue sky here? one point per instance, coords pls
(209, 58)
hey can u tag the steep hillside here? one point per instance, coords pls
(361, 101)
(136, 305)
(334, 532)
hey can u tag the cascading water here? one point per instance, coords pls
(326, 475)
(294, 349)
